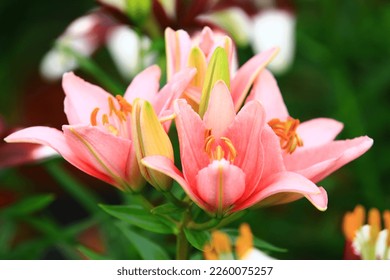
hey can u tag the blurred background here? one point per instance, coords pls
(340, 70)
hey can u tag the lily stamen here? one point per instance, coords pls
(286, 131)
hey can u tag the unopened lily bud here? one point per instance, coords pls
(150, 139)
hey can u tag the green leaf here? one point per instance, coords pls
(257, 242)
(90, 254)
(28, 205)
(218, 69)
(147, 249)
(140, 218)
(197, 238)
(167, 209)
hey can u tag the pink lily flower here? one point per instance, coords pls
(309, 147)
(98, 139)
(13, 155)
(180, 53)
(231, 162)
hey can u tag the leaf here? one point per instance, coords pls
(166, 209)
(90, 254)
(197, 238)
(218, 69)
(147, 249)
(140, 218)
(257, 242)
(28, 205)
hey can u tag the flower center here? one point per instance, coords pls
(224, 149)
(286, 131)
(116, 120)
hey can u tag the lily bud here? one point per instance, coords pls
(150, 139)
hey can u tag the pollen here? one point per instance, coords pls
(221, 242)
(244, 242)
(286, 131)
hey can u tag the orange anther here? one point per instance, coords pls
(93, 116)
(286, 131)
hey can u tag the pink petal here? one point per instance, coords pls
(266, 91)
(317, 132)
(145, 85)
(56, 140)
(82, 98)
(220, 111)
(166, 166)
(178, 46)
(318, 162)
(247, 74)
(22, 153)
(191, 132)
(245, 134)
(290, 183)
(103, 151)
(272, 161)
(163, 100)
(220, 185)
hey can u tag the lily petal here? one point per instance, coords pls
(82, 98)
(292, 184)
(266, 91)
(101, 150)
(55, 139)
(178, 45)
(220, 185)
(245, 133)
(166, 166)
(247, 74)
(191, 130)
(220, 111)
(318, 162)
(172, 90)
(317, 132)
(145, 85)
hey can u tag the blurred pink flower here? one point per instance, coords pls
(12, 155)
(309, 147)
(231, 162)
(98, 138)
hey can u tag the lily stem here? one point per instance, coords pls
(85, 197)
(210, 224)
(175, 200)
(181, 239)
(93, 69)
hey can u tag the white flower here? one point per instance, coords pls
(275, 28)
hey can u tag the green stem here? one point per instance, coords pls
(86, 198)
(204, 226)
(143, 201)
(93, 69)
(181, 239)
(179, 203)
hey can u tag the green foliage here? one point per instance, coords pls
(197, 238)
(141, 218)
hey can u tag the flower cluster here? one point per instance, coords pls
(234, 154)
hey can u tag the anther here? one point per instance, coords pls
(93, 116)
(286, 131)
(232, 151)
(125, 106)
